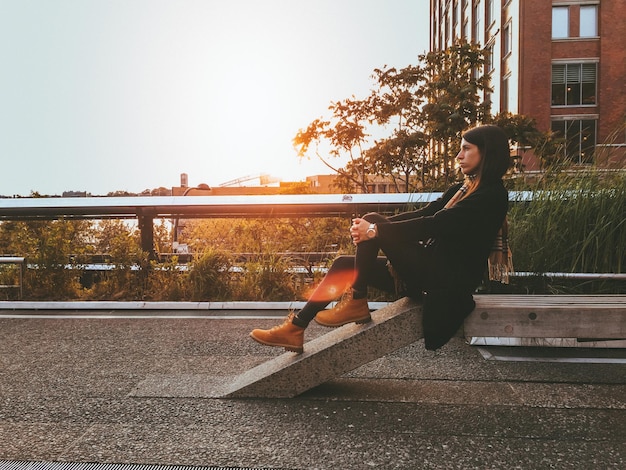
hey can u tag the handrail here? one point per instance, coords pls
(147, 208)
(203, 206)
(298, 205)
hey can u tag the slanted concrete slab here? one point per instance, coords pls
(332, 355)
(327, 357)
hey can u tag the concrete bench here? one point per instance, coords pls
(395, 326)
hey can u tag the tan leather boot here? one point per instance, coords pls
(287, 335)
(348, 310)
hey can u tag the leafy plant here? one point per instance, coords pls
(269, 278)
(209, 276)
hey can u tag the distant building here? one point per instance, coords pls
(322, 184)
(315, 184)
(325, 184)
(560, 62)
(231, 190)
(74, 194)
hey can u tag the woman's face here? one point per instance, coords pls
(468, 158)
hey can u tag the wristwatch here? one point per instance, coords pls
(371, 231)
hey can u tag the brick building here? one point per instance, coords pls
(560, 62)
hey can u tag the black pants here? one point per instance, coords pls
(411, 261)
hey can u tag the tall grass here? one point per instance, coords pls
(575, 222)
(268, 278)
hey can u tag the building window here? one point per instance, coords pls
(490, 15)
(488, 98)
(508, 39)
(465, 33)
(579, 139)
(574, 84)
(478, 30)
(504, 95)
(560, 22)
(465, 29)
(489, 64)
(588, 21)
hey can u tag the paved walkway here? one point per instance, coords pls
(67, 394)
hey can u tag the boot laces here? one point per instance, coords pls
(345, 300)
(287, 320)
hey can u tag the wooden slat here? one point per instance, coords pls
(552, 299)
(549, 316)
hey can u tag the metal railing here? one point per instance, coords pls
(207, 206)
(20, 262)
(147, 208)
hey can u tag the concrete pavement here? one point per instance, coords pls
(68, 392)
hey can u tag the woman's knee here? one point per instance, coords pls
(343, 262)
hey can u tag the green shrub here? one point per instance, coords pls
(168, 282)
(269, 278)
(209, 276)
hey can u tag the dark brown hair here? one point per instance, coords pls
(494, 151)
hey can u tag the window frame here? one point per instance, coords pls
(490, 13)
(505, 90)
(507, 38)
(574, 148)
(490, 54)
(556, 10)
(576, 86)
(478, 31)
(581, 26)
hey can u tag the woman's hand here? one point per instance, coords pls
(358, 230)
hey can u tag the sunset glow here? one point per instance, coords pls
(107, 95)
(333, 286)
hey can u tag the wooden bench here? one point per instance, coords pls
(599, 317)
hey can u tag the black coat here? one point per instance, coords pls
(459, 242)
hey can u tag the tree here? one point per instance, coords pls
(419, 112)
(395, 106)
(401, 157)
(522, 131)
(452, 82)
(345, 135)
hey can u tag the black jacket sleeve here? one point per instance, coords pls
(430, 208)
(478, 217)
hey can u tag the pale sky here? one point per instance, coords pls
(107, 95)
